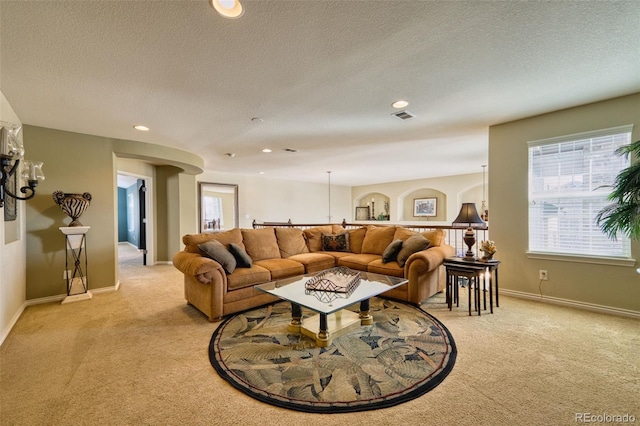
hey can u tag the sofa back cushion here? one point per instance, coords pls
(377, 239)
(291, 241)
(403, 233)
(356, 238)
(435, 237)
(313, 236)
(191, 241)
(261, 243)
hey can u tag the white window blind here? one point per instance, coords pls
(570, 178)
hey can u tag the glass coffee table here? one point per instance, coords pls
(332, 320)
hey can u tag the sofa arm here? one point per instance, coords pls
(429, 259)
(194, 264)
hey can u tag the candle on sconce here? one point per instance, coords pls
(32, 171)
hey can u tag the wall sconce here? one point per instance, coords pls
(11, 151)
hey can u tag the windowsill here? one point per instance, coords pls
(598, 260)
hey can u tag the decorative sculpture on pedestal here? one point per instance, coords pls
(72, 204)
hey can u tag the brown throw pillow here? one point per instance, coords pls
(213, 249)
(412, 245)
(242, 258)
(391, 252)
(335, 242)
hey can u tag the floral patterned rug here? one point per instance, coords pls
(403, 355)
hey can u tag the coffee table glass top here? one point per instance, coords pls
(327, 302)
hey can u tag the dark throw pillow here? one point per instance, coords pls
(335, 242)
(217, 251)
(391, 252)
(241, 256)
(412, 245)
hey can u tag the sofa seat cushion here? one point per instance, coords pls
(261, 243)
(314, 262)
(247, 277)
(336, 254)
(281, 268)
(358, 261)
(389, 268)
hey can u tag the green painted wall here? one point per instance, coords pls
(80, 163)
(74, 163)
(590, 283)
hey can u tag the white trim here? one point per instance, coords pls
(582, 135)
(572, 303)
(12, 323)
(596, 260)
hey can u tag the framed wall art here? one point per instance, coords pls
(425, 207)
(362, 213)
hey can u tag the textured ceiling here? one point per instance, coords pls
(320, 74)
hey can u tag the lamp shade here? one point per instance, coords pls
(468, 215)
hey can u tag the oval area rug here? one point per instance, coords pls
(403, 355)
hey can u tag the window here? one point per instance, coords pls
(569, 181)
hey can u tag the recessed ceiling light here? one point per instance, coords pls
(230, 154)
(228, 8)
(260, 173)
(289, 150)
(266, 150)
(257, 120)
(141, 128)
(400, 104)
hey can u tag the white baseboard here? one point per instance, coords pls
(13, 321)
(571, 303)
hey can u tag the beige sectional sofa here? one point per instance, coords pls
(246, 257)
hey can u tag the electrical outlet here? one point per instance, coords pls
(544, 276)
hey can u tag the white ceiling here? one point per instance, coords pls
(320, 74)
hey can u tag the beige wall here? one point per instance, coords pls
(77, 162)
(12, 251)
(586, 283)
(275, 200)
(451, 192)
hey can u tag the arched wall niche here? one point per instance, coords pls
(372, 206)
(422, 205)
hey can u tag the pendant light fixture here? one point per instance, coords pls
(484, 210)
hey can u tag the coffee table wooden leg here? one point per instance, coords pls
(323, 339)
(296, 318)
(365, 316)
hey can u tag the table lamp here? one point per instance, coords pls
(469, 215)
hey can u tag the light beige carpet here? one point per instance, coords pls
(139, 357)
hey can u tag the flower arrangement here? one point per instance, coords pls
(488, 247)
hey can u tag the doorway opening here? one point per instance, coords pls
(135, 231)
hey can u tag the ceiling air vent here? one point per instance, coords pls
(405, 115)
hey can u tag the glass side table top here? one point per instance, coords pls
(327, 302)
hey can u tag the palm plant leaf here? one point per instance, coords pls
(623, 215)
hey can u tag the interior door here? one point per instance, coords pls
(142, 217)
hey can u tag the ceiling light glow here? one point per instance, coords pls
(141, 128)
(228, 8)
(400, 104)
(266, 150)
